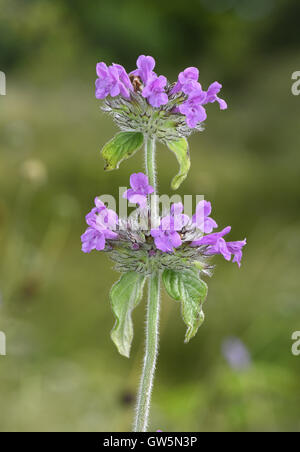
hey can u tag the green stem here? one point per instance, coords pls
(150, 151)
(150, 146)
(152, 322)
(146, 384)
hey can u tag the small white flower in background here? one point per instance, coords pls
(236, 354)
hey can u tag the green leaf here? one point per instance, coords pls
(120, 148)
(187, 287)
(125, 295)
(181, 151)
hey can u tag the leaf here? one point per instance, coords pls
(187, 287)
(125, 295)
(181, 150)
(120, 148)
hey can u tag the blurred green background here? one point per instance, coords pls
(62, 372)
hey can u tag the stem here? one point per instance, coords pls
(146, 384)
(152, 322)
(150, 150)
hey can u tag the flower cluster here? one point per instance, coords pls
(176, 232)
(171, 246)
(185, 99)
(193, 108)
(102, 224)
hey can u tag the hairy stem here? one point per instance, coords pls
(150, 151)
(150, 147)
(152, 324)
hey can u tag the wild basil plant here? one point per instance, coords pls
(149, 246)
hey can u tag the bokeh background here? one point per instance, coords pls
(61, 371)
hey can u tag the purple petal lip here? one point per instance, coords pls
(211, 95)
(188, 75)
(154, 91)
(145, 66)
(217, 245)
(202, 218)
(139, 190)
(166, 241)
(141, 200)
(212, 238)
(177, 208)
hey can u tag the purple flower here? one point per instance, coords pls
(191, 87)
(139, 190)
(211, 239)
(154, 91)
(123, 76)
(113, 81)
(236, 249)
(202, 218)
(211, 95)
(176, 220)
(102, 223)
(190, 74)
(166, 237)
(166, 241)
(217, 245)
(153, 85)
(145, 68)
(193, 109)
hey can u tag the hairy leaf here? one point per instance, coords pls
(181, 151)
(120, 148)
(187, 287)
(125, 295)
